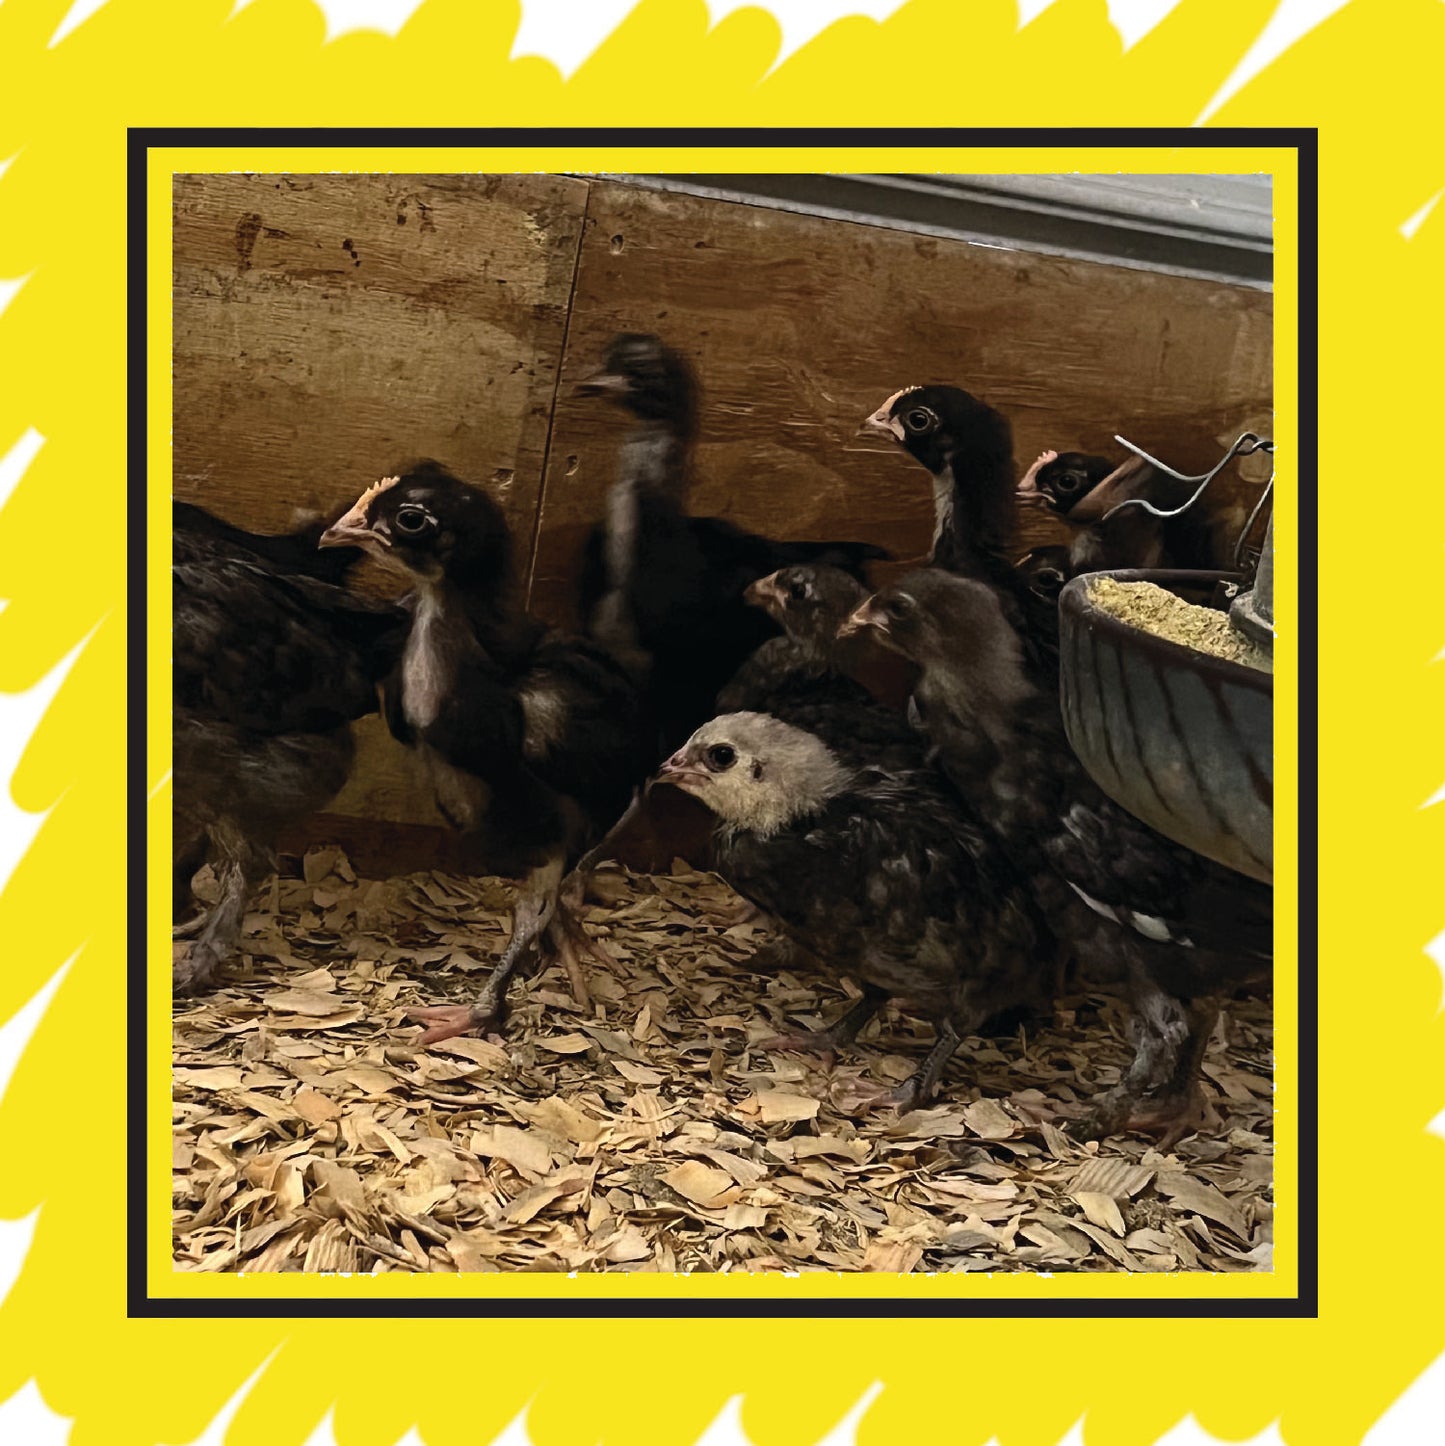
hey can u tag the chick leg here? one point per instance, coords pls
(240, 866)
(922, 1084)
(190, 854)
(842, 1032)
(1159, 1093)
(969, 1009)
(569, 938)
(536, 904)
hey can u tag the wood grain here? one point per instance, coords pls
(800, 326)
(329, 327)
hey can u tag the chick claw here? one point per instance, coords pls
(822, 1042)
(447, 1021)
(857, 1097)
(1168, 1120)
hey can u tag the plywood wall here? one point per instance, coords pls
(800, 327)
(327, 327)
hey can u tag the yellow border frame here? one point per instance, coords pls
(1368, 78)
(651, 1291)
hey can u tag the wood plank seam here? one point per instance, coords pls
(556, 393)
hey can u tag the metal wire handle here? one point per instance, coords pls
(1244, 445)
(1241, 545)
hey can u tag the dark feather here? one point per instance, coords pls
(659, 587)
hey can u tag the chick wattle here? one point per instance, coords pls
(879, 872)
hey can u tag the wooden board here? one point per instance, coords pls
(329, 327)
(800, 326)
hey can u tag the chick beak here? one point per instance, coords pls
(602, 384)
(1028, 493)
(882, 424)
(681, 771)
(766, 594)
(352, 530)
(864, 618)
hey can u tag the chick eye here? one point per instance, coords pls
(412, 519)
(920, 419)
(721, 756)
(798, 591)
(894, 607)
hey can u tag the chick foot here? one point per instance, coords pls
(858, 1097)
(1167, 1119)
(843, 1031)
(917, 1089)
(193, 966)
(740, 911)
(448, 1021)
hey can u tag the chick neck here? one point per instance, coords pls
(974, 510)
(489, 598)
(656, 457)
(653, 472)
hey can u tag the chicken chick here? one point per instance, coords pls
(1071, 485)
(966, 446)
(879, 872)
(812, 678)
(269, 667)
(293, 551)
(1182, 929)
(533, 740)
(663, 589)
(1057, 480)
(1043, 572)
(1085, 492)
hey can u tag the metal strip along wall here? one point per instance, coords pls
(1220, 227)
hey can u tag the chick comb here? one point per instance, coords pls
(374, 490)
(901, 392)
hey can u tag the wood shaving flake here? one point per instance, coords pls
(310, 1134)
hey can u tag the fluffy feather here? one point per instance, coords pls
(880, 873)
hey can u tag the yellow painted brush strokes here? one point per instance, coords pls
(1369, 78)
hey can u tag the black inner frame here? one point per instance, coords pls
(141, 1305)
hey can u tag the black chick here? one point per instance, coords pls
(294, 551)
(1043, 572)
(966, 446)
(879, 872)
(533, 740)
(1118, 894)
(1058, 480)
(1085, 492)
(811, 678)
(1071, 485)
(662, 589)
(269, 667)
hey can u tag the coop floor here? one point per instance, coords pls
(649, 1131)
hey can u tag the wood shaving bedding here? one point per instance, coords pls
(651, 1132)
